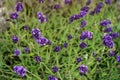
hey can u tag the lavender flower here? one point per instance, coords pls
(118, 58)
(79, 59)
(16, 52)
(51, 77)
(14, 15)
(83, 69)
(108, 29)
(98, 59)
(27, 50)
(41, 17)
(88, 2)
(26, 27)
(56, 6)
(57, 49)
(38, 59)
(75, 17)
(67, 1)
(15, 39)
(19, 7)
(55, 69)
(49, 42)
(40, 1)
(107, 40)
(85, 9)
(86, 34)
(111, 53)
(108, 1)
(20, 70)
(36, 33)
(83, 45)
(114, 35)
(70, 37)
(65, 45)
(82, 14)
(42, 41)
(105, 22)
(83, 23)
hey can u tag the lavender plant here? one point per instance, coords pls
(65, 40)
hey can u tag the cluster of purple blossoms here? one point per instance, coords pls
(19, 8)
(20, 70)
(56, 6)
(70, 37)
(78, 60)
(27, 50)
(83, 23)
(83, 45)
(67, 1)
(118, 58)
(51, 77)
(38, 59)
(97, 9)
(111, 53)
(65, 45)
(114, 35)
(40, 1)
(107, 41)
(42, 18)
(39, 39)
(57, 49)
(83, 13)
(83, 69)
(108, 29)
(105, 22)
(88, 2)
(17, 52)
(15, 39)
(55, 69)
(108, 1)
(86, 35)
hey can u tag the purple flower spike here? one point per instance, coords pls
(83, 69)
(85, 9)
(40, 1)
(65, 45)
(15, 39)
(55, 69)
(68, 1)
(38, 59)
(83, 23)
(86, 35)
(19, 7)
(36, 33)
(14, 15)
(42, 41)
(51, 77)
(27, 50)
(56, 6)
(88, 2)
(70, 37)
(26, 27)
(17, 52)
(105, 22)
(112, 53)
(108, 29)
(20, 70)
(78, 60)
(107, 41)
(108, 1)
(83, 45)
(57, 49)
(118, 58)
(114, 35)
(41, 17)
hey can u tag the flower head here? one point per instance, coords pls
(70, 37)
(16, 52)
(41, 18)
(85, 9)
(83, 45)
(38, 59)
(88, 2)
(14, 15)
(20, 70)
(108, 1)
(83, 69)
(19, 7)
(86, 35)
(65, 45)
(56, 6)
(57, 49)
(36, 33)
(118, 58)
(15, 39)
(42, 41)
(51, 77)
(67, 1)
(114, 35)
(111, 53)
(55, 69)
(27, 50)
(40, 1)
(83, 23)
(105, 22)
(108, 29)
(79, 59)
